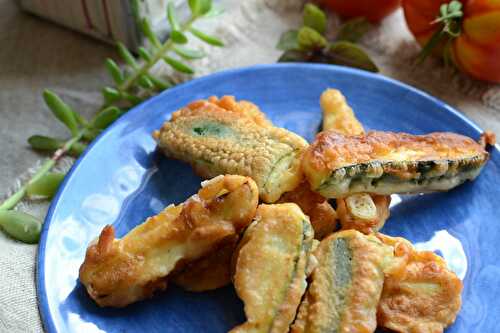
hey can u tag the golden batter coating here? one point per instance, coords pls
(321, 214)
(218, 141)
(210, 272)
(271, 267)
(423, 297)
(338, 115)
(117, 272)
(346, 285)
(349, 220)
(384, 162)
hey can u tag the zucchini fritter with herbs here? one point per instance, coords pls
(337, 165)
(117, 272)
(424, 296)
(346, 285)
(271, 267)
(216, 140)
(363, 212)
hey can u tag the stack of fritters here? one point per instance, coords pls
(352, 281)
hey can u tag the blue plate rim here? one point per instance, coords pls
(42, 301)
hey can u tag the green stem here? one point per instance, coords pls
(167, 46)
(14, 199)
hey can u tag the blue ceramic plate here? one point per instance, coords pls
(121, 180)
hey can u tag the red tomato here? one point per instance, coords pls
(373, 10)
(476, 51)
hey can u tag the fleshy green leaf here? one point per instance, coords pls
(200, 7)
(206, 38)
(172, 18)
(314, 18)
(148, 32)
(159, 83)
(90, 134)
(79, 118)
(144, 54)
(105, 117)
(189, 53)
(310, 39)
(178, 37)
(145, 82)
(45, 186)
(289, 41)
(111, 95)
(214, 12)
(44, 142)
(353, 30)
(126, 55)
(295, 56)
(21, 226)
(178, 66)
(133, 99)
(115, 71)
(77, 149)
(348, 54)
(61, 110)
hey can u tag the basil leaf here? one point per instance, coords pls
(353, 30)
(314, 18)
(45, 186)
(348, 54)
(295, 56)
(310, 39)
(289, 41)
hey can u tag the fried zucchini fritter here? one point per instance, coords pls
(346, 285)
(210, 272)
(321, 214)
(384, 163)
(423, 297)
(339, 117)
(117, 272)
(271, 267)
(215, 141)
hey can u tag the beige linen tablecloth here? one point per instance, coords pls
(36, 54)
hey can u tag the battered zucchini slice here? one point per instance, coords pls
(346, 285)
(117, 272)
(271, 267)
(216, 141)
(424, 296)
(383, 163)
